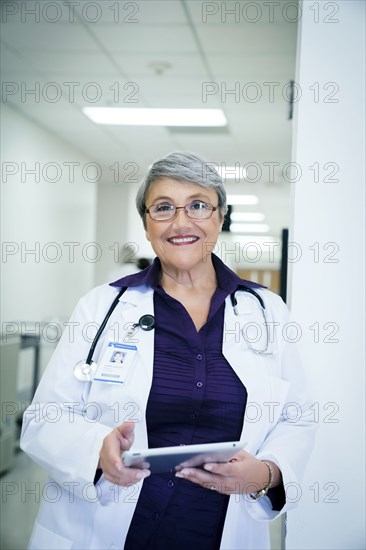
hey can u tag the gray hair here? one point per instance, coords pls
(183, 167)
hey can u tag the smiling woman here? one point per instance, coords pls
(184, 241)
(183, 236)
(191, 379)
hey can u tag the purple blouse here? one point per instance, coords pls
(195, 397)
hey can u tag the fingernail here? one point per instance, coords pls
(208, 467)
(185, 472)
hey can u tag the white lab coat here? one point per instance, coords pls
(65, 426)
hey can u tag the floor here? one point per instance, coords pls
(21, 491)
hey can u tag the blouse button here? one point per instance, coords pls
(199, 384)
(199, 357)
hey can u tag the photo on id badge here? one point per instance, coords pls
(118, 357)
(115, 363)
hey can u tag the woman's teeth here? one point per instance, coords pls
(179, 240)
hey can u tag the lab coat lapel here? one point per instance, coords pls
(134, 305)
(251, 370)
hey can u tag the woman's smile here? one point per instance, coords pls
(182, 240)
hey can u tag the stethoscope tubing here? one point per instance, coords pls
(114, 304)
(234, 301)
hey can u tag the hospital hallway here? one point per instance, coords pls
(219, 146)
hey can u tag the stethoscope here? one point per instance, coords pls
(84, 370)
(234, 303)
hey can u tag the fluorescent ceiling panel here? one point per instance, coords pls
(247, 216)
(156, 117)
(249, 228)
(264, 241)
(248, 200)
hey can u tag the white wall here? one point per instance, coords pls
(136, 232)
(332, 506)
(33, 286)
(111, 223)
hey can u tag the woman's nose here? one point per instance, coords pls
(180, 209)
(181, 214)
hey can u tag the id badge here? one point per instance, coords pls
(116, 363)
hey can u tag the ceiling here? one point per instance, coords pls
(160, 54)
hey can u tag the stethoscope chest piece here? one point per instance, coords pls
(147, 322)
(85, 372)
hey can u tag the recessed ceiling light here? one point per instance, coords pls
(156, 117)
(159, 67)
(249, 228)
(242, 199)
(247, 216)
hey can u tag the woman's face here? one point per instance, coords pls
(182, 242)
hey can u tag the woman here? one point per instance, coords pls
(200, 376)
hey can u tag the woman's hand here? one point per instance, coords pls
(243, 474)
(119, 440)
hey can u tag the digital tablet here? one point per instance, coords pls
(171, 459)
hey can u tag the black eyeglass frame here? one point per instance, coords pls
(213, 209)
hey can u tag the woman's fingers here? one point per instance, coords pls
(205, 479)
(222, 469)
(127, 434)
(244, 474)
(119, 440)
(128, 476)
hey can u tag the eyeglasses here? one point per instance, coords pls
(197, 210)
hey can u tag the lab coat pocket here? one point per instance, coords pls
(44, 539)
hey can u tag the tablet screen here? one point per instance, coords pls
(172, 459)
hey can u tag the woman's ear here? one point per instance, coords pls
(145, 227)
